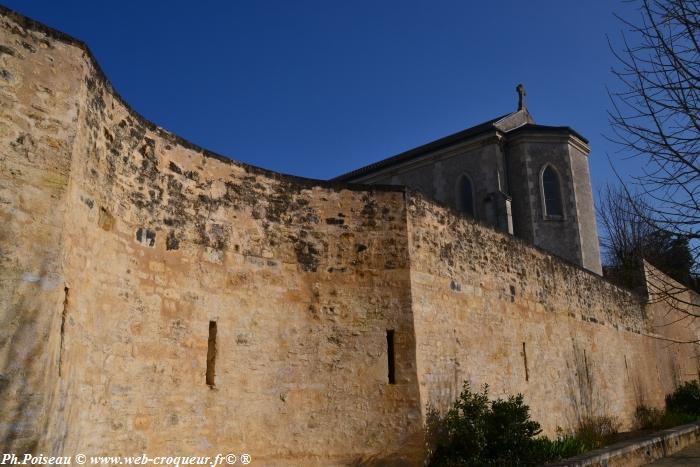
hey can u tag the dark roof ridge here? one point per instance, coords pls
(475, 130)
(495, 124)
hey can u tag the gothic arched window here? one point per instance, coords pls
(551, 192)
(465, 196)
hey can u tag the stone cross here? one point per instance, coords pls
(521, 96)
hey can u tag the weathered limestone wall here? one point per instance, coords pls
(39, 111)
(121, 244)
(114, 269)
(303, 282)
(491, 309)
(437, 175)
(671, 309)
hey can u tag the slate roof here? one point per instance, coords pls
(512, 123)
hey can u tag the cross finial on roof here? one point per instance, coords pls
(521, 96)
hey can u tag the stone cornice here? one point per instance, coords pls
(548, 135)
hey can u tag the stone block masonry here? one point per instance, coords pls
(158, 298)
(493, 310)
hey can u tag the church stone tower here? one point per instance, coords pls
(525, 179)
(551, 192)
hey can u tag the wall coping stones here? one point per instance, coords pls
(638, 451)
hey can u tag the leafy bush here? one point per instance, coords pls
(595, 432)
(476, 431)
(685, 399)
(682, 406)
(479, 432)
(509, 430)
(460, 437)
(655, 419)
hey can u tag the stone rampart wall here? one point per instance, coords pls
(159, 298)
(128, 248)
(490, 309)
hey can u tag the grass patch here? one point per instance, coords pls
(596, 432)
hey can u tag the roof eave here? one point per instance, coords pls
(432, 146)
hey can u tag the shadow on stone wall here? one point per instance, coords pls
(25, 381)
(411, 449)
(586, 400)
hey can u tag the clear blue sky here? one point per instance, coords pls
(317, 88)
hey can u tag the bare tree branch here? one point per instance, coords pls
(655, 119)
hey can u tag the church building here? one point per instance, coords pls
(529, 180)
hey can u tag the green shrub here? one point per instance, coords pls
(479, 432)
(509, 430)
(682, 406)
(685, 399)
(656, 419)
(462, 432)
(674, 419)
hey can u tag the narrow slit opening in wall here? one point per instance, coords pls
(64, 315)
(390, 356)
(211, 355)
(527, 371)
